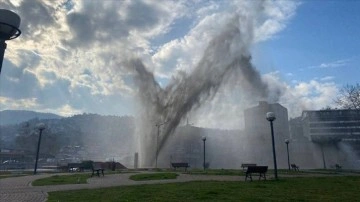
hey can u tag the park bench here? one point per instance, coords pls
(180, 165)
(245, 165)
(295, 167)
(261, 170)
(97, 168)
(337, 166)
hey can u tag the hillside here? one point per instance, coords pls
(93, 131)
(18, 116)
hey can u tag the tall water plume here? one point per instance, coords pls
(226, 55)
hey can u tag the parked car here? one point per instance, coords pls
(13, 164)
(10, 161)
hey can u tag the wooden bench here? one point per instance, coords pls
(97, 169)
(180, 165)
(245, 165)
(295, 167)
(337, 167)
(261, 170)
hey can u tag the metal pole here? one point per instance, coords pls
(37, 151)
(204, 155)
(2, 52)
(287, 148)
(273, 145)
(323, 155)
(157, 141)
(157, 144)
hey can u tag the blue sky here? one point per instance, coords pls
(321, 32)
(72, 59)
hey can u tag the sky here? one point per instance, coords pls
(70, 58)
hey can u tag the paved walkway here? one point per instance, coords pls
(19, 189)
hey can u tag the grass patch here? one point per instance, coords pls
(153, 176)
(240, 172)
(270, 172)
(12, 175)
(288, 189)
(7, 174)
(62, 179)
(217, 172)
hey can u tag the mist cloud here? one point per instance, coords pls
(72, 49)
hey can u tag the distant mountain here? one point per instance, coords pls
(19, 116)
(96, 136)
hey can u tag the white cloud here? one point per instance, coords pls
(327, 78)
(65, 110)
(8, 103)
(184, 53)
(312, 95)
(337, 63)
(71, 53)
(225, 110)
(276, 14)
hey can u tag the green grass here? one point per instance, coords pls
(6, 174)
(269, 172)
(153, 176)
(216, 172)
(62, 179)
(288, 189)
(240, 172)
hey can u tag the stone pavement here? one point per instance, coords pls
(19, 189)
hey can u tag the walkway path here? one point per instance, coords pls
(19, 189)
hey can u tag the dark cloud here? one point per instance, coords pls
(142, 16)
(20, 83)
(96, 22)
(35, 16)
(103, 22)
(17, 83)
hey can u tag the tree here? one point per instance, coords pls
(349, 97)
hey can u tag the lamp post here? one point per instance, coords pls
(270, 116)
(41, 127)
(323, 155)
(204, 139)
(9, 29)
(157, 141)
(287, 141)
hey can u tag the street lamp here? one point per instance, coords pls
(204, 139)
(41, 127)
(157, 141)
(287, 141)
(323, 154)
(270, 116)
(9, 29)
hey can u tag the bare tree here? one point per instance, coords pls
(349, 97)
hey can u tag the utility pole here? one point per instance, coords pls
(157, 141)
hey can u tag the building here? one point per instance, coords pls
(331, 125)
(336, 135)
(257, 129)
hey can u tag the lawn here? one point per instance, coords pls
(286, 189)
(6, 174)
(237, 172)
(217, 172)
(153, 176)
(62, 179)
